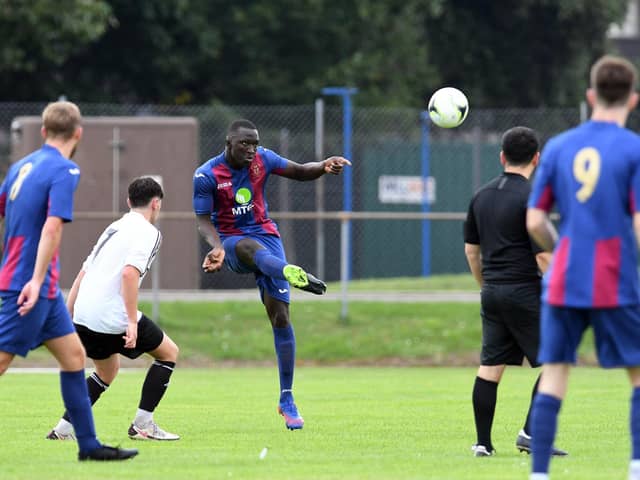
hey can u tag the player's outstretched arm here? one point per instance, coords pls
(50, 238)
(313, 170)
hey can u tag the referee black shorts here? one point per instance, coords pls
(100, 346)
(510, 323)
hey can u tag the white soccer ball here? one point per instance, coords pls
(448, 107)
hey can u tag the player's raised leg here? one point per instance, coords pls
(253, 254)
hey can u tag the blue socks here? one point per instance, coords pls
(285, 343)
(543, 430)
(76, 401)
(269, 264)
(634, 424)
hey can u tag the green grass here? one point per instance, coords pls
(361, 423)
(376, 333)
(463, 281)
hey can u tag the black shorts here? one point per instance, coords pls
(100, 346)
(510, 323)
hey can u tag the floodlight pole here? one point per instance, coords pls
(345, 247)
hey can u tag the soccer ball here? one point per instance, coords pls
(448, 107)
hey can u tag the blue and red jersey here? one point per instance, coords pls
(235, 198)
(592, 174)
(40, 185)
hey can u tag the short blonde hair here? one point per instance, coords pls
(613, 79)
(61, 119)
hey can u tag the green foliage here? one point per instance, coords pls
(526, 53)
(532, 53)
(361, 423)
(38, 39)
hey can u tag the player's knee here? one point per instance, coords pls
(173, 351)
(280, 320)
(246, 249)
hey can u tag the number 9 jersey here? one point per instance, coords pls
(39, 186)
(592, 174)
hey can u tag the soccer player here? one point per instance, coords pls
(506, 264)
(232, 215)
(104, 303)
(36, 199)
(592, 174)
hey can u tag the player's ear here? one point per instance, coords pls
(77, 135)
(633, 101)
(43, 132)
(503, 159)
(128, 202)
(591, 97)
(536, 159)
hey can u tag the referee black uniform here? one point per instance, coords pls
(510, 297)
(502, 258)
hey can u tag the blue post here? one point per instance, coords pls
(347, 202)
(426, 227)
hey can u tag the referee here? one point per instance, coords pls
(506, 264)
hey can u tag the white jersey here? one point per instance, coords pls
(132, 240)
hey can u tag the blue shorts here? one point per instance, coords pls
(616, 334)
(49, 318)
(276, 287)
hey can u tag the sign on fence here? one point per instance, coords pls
(406, 189)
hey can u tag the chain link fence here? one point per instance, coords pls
(387, 142)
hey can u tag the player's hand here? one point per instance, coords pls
(131, 335)
(28, 297)
(213, 260)
(334, 165)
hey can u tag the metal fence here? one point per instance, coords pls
(388, 235)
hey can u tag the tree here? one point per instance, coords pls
(528, 53)
(38, 39)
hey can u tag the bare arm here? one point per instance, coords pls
(313, 170)
(543, 259)
(73, 293)
(541, 229)
(130, 282)
(215, 257)
(474, 259)
(50, 238)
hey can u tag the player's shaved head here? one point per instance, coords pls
(236, 125)
(613, 79)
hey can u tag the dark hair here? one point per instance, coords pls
(238, 124)
(519, 145)
(613, 78)
(142, 190)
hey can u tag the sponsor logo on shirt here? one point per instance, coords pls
(224, 185)
(243, 197)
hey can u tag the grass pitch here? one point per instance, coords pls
(361, 423)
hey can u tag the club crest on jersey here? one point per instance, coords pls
(243, 197)
(255, 170)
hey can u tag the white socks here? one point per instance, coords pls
(143, 418)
